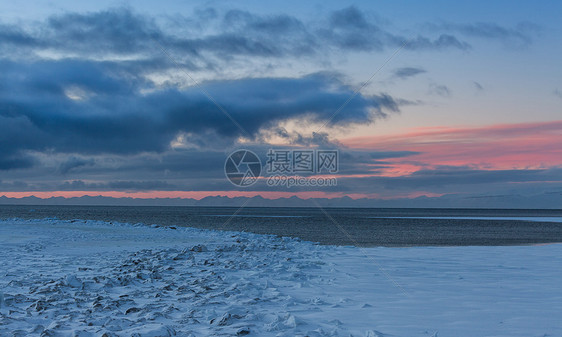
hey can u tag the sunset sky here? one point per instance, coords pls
(147, 99)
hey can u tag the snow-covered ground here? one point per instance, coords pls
(88, 278)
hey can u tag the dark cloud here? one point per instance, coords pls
(117, 185)
(350, 29)
(122, 32)
(183, 169)
(140, 185)
(14, 36)
(442, 42)
(460, 176)
(16, 161)
(74, 162)
(406, 72)
(557, 92)
(439, 89)
(520, 35)
(117, 30)
(478, 86)
(447, 179)
(90, 108)
(196, 170)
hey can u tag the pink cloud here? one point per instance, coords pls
(505, 146)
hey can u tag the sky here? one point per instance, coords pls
(148, 99)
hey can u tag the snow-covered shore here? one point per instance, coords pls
(90, 278)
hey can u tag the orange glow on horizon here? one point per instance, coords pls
(198, 195)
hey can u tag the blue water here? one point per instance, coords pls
(334, 226)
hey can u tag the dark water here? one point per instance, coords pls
(336, 226)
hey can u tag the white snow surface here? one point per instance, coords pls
(92, 278)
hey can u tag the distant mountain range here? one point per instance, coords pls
(540, 201)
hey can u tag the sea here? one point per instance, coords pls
(364, 227)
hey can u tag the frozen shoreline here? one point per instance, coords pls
(87, 278)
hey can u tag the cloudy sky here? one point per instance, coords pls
(147, 99)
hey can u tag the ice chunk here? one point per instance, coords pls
(73, 281)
